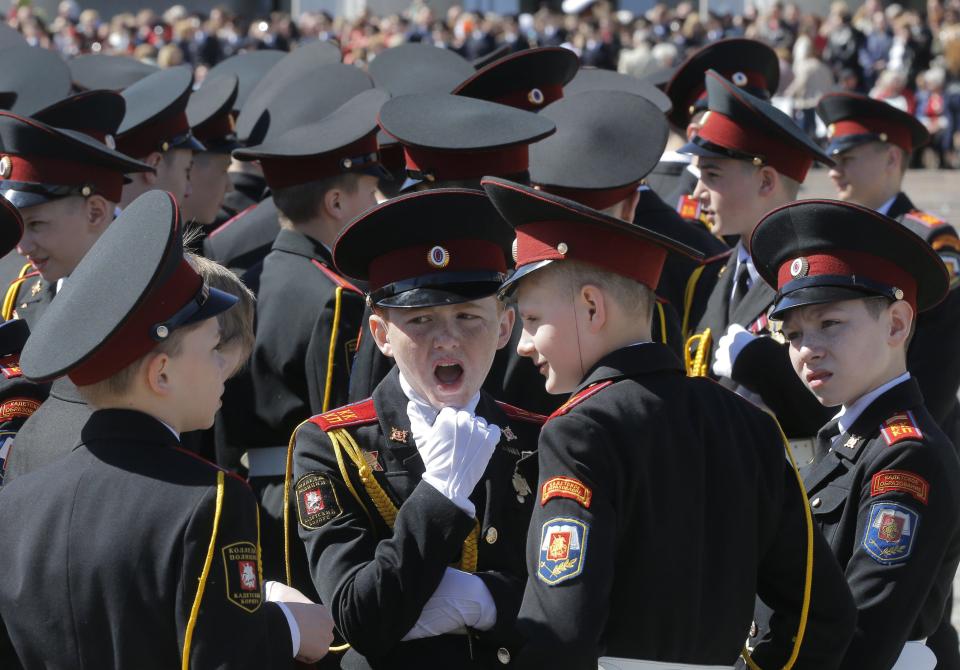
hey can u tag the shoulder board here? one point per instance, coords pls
(579, 398)
(335, 278)
(927, 219)
(357, 414)
(10, 366)
(223, 226)
(900, 427)
(688, 207)
(513, 412)
(213, 466)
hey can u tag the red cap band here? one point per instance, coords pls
(533, 99)
(133, 339)
(597, 198)
(787, 158)
(57, 172)
(896, 134)
(444, 256)
(150, 137)
(754, 80)
(217, 128)
(852, 264)
(616, 252)
(449, 165)
(282, 172)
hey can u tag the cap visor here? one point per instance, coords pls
(218, 301)
(190, 142)
(22, 199)
(695, 149)
(451, 294)
(842, 144)
(510, 285)
(817, 295)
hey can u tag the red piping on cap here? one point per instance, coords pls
(149, 137)
(786, 157)
(597, 198)
(57, 172)
(427, 259)
(465, 164)
(282, 171)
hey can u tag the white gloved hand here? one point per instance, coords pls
(460, 601)
(729, 347)
(455, 450)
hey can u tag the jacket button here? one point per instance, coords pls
(816, 503)
(753, 629)
(503, 655)
(492, 535)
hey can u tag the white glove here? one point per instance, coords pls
(455, 451)
(460, 601)
(729, 347)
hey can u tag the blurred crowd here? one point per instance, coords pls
(907, 57)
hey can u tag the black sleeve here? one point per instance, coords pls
(931, 360)
(369, 365)
(331, 350)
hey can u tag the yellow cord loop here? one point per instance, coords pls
(808, 572)
(195, 609)
(663, 323)
(10, 299)
(332, 350)
(697, 364)
(688, 299)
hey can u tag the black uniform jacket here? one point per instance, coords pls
(19, 398)
(672, 180)
(376, 579)
(665, 505)
(886, 495)
(103, 553)
(763, 366)
(244, 240)
(31, 296)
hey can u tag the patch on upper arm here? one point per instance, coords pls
(563, 549)
(891, 532)
(242, 570)
(317, 501)
(18, 408)
(566, 487)
(889, 481)
(900, 427)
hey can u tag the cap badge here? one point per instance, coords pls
(438, 257)
(6, 167)
(110, 142)
(535, 96)
(513, 250)
(739, 79)
(562, 248)
(799, 267)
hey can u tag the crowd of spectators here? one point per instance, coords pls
(907, 57)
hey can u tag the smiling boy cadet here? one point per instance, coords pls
(885, 487)
(665, 502)
(170, 577)
(413, 504)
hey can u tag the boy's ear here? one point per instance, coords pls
(378, 330)
(901, 322)
(99, 212)
(156, 371)
(768, 180)
(594, 305)
(507, 318)
(628, 208)
(153, 160)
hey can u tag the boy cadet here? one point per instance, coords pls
(626, 562)
(322, 175)
(752, 158)
(402, 496)
(155, 130)
(149, 363)
(885, 487)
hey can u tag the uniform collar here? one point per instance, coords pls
(885, 207)
(898, 398)
(901, 205)
(847, 416)
(636, 359)
(295, 242)
(125, 425)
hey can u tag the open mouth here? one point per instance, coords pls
(448, 373)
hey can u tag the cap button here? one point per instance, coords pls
(346, 163)
(883, 137)
(535, 96)
(492, 535)
(503, 655)
(163, 332)
(165, 146)
(513, 250)
(6, 167)
(562, 248)
(898, 293)
(757, 161)
(110, 142)
(86, 191)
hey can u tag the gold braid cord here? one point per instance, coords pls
(10, 299)
(663, 323)
(688, 299)
(697, 364)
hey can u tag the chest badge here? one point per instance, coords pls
(509, 434)
(521, 486)
(398, 435)
(35, 289)
(373, 460)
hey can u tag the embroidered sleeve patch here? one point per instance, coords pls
(566, 487)
(17, 408)
(891, 533)
(242, 569)
(316, 500)
(900, 427)
(888, 481)
(563, 549)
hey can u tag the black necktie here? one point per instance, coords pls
(741, 284)
(825, 438)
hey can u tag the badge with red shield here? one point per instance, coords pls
(891, 532)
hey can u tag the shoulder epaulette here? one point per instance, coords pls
(900, 427)
(579, 398)
(335, 278)
(213, 466)
(357, 414)
(927, 219)
(688, 207)
(223, 226)
(520, 414)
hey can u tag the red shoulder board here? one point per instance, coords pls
(223, 226)
(335, 278)
(213, 466)
(519, 414)
(927, 219)
(10, 366)
(900, 427)
(579, 398)
(688, 207)
(357, 414)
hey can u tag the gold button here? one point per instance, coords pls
(562, 248)
(492, 535)
(503, 655)
(816, 503)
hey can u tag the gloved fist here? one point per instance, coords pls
(728, 349)
(455, 450)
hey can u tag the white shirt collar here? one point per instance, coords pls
(170, 428)
(885, 207)
(429, 411)
(848, 415)
(59, 285)
(744, 257)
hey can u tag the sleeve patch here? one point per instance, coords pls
(10, 366)
(563, 549)
(900, 427)
(17, 408)
(927, 219)
(566, 487)
(242, 570)
(317, 501)
(891, 533)
(951, 260)
(888, 481)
